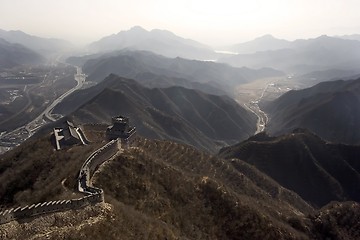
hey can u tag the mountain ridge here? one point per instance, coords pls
(160, 41)
(304, 56)
(136, 64)
(44, 46)
(13, 55)
(320, 172)
(260, 44)
(186, 115)
(312, 108)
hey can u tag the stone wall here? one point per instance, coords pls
(100, 156)
(93, 195)
(47, 207)
(126, 142)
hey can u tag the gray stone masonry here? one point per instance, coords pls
(93, 195)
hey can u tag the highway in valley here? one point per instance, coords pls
(80, 79)
(17, 136)
(250, 95)
(253, 106)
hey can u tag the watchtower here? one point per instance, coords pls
(121, 129)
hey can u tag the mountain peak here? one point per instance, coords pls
(324, 36)
(138, 29)
(162, 42)
(266, 37)
(264, 43)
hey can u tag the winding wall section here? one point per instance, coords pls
(93, 194)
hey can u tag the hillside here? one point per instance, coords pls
(318, 171)
(34, 172)
(12, 55)
(312, 78)
(165, 190)
(329, 109)
(139, 64)
(304, 56)
(152, 80)
(158, 41)
(203, 120)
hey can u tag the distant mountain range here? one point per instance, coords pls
(260, 44)
(350, 37)
(313, 78)
(318, 171)
(186, 115)
(142, 66)
(159, 41)
(44, 46)
(300, 56)
(13, 55)
(329, 109)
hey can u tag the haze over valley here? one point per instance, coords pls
(181, 120)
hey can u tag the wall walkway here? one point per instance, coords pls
(93, 194)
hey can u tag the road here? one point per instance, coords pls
(264, 90)
(80, 79)
(46, 114)
(20, 134)
(253, 106)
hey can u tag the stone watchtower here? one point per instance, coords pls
(121, 129)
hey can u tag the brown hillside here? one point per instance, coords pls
(318, 171)
(166, 190)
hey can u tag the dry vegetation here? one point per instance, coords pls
(166, 190)
(35, 172)
(318, 171)
(196, 195)
(61, 225)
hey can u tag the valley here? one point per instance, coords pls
(150, 70)
(51, 97)
(255, 94)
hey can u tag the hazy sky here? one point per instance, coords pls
(211, 22)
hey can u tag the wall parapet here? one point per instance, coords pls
(92, 194)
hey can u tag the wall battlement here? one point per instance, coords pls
(93, 194)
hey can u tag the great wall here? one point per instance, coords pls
(121, 136)
(93, 195)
